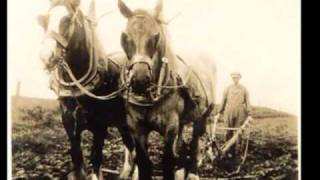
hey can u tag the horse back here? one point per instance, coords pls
(198, 72)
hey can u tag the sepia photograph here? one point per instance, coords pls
(154, 89)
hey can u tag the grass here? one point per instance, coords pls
(29, 103)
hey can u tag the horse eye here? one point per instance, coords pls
(152, 45)
(127, 45)
(131, 49)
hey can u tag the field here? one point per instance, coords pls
(40, 146)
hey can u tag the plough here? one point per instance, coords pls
(222, 150)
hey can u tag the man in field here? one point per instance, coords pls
(236, 108)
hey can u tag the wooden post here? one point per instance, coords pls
(18, 90)
(15, 99)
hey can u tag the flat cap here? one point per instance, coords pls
(235, 74)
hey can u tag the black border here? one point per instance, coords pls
(3, 90)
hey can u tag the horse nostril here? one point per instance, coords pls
(133, 79)
(51, 56)
(147, 79)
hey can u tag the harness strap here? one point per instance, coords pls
(64, 43)
(88, 93)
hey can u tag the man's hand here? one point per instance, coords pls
(250, 120)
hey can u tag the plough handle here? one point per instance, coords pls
(235, 137)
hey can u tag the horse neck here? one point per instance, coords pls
(78, 61)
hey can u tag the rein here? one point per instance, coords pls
(64, 43)
(88, 93)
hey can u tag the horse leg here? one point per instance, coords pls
(128, 141)
(145, 166)
(198, 130)
(180, 157)
(168, 161)
(96, 153)
(75, 151)
(195, 159)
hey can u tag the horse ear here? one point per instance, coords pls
(125, 11)
(158, 9)
(92, 10)
(72, 5)
(54, 3)
(43, 21)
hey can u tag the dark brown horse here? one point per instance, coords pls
(85, 80)
(164, 94)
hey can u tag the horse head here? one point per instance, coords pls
(69, 35)
(144, 44)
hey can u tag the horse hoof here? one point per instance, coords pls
(71, 176)
(180, 174)
(125, 173)
(135, 175)
(77, 176)
(93, 176)
(192, 176)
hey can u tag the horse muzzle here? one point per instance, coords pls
(140, 75)
(140, 79)
(47, 50)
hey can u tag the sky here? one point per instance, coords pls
(259, 38)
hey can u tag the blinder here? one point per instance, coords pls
(62, 41)
(60, 38)
(58, 59)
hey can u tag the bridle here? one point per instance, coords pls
(64, 43)
(142, 61)
(91, 74)
(155, 91)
